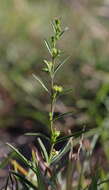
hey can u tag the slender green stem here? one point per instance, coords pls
(53, 99)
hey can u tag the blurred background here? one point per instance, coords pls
(24, 106)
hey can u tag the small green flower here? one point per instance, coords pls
(55, 135)
(54, 52)
(57, 25)
(54, 153)
(57, 88)
(49, 65)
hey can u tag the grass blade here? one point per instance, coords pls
(42, 84)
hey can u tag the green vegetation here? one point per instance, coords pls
(78, 120)
(45, 170)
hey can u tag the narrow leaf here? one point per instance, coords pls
(43, 149)
(63, 115)
(7, 182)
(76, 134)
(61, 153)
(48, 46)
(60, 65)
(104, 181)
(52, 23)
(40, 179)
(19, 154)
(63, 31)
(22, 178)
(24, 186)
(12, 182)
(93, 185)
(87, 133)
(76, 141)
(38, 171)
(37, 134)
(80, 177)
(66, 91)
(16, 182)
(6, 160)
(42, 84)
